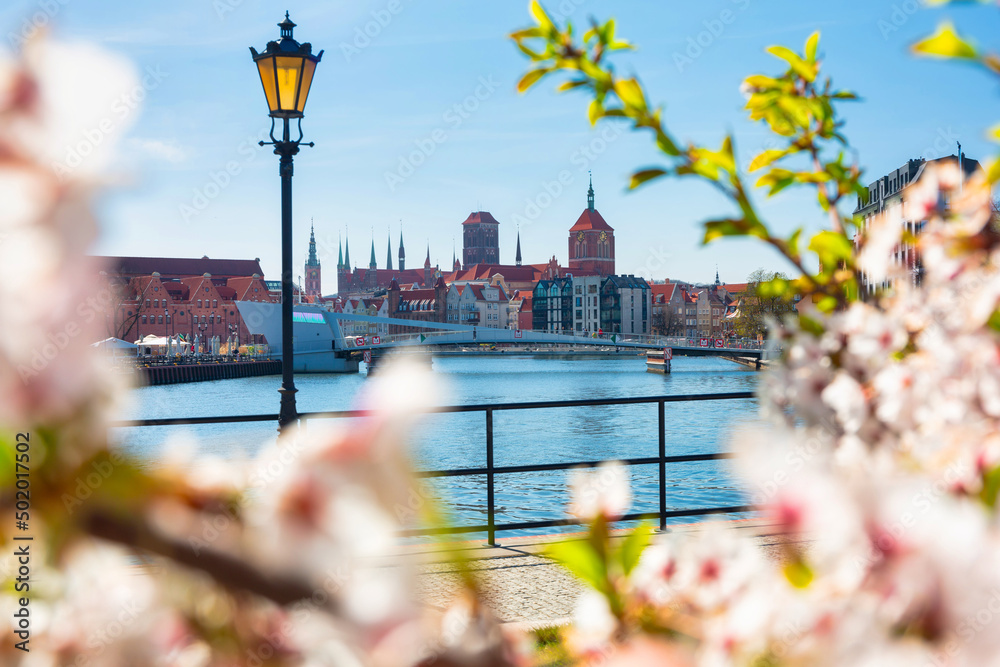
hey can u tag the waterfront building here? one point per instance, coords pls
(668, 309)
(423, 304)
(179, 295)
(478, 304)
(690, 313)
(626, 305)
(591, 242)
(480, 239)
(552, 305)
(586, 303)
(889, 192)
(710, 309)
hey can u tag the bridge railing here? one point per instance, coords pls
(491, 471)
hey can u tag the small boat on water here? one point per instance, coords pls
(658, 361)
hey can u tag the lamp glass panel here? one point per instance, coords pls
(309, 68)
(266, 68)
(289, 70)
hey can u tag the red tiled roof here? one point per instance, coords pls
(735, 287)
(590, 220)
(180, 266)
(226, 292)
(667, 290)
(477, 217)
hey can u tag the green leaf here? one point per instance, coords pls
(666, 144)
(538, 12)
(570, 85)
(798, 574)
(832, 248)
(777, 287)
(633, 546)
(991, 487)
(945, 43)
(640, 177)
(811, 46)
(595, 111)
(630, 93)
(579, 557)
(531, 78)
(715, 229)
(767, 157)
(799, 66)
(812, 326)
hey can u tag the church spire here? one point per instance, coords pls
(312, 261)
(427, 262)
(402, 253)
(371, 263)
(347, 252)
(517, 257)
(388, 253)
(590, 195)
(340, 252)
(717, 283)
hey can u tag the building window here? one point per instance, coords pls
(159, 319)
(156, 303)
(147, 303)
(215, 303)
(144, 319)
(199, 303)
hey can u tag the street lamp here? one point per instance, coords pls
(286, 71)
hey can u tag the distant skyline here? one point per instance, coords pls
(417, 121)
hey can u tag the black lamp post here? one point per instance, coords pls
(286, 71)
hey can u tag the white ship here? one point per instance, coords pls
(316, 336)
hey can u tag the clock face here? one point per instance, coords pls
(604, 236)
(312, 274)
(579, 236)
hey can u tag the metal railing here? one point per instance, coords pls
(491, 470)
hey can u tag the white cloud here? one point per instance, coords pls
(168, 151)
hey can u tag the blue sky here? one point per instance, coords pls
(377, 99)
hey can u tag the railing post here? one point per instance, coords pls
(490, 498)
(663, 465)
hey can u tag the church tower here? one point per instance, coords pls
(480, 239)
(313, 269)
(402, 253)
(592, 241)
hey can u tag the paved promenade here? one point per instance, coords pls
(520, 585)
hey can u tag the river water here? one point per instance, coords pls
(521, 437)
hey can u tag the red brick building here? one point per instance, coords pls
(480, 239)
(177, 295)
(591, 242)
(425, 305)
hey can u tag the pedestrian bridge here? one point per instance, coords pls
(440, 334)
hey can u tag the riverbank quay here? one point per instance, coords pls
(202, 372)
(523, 587)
